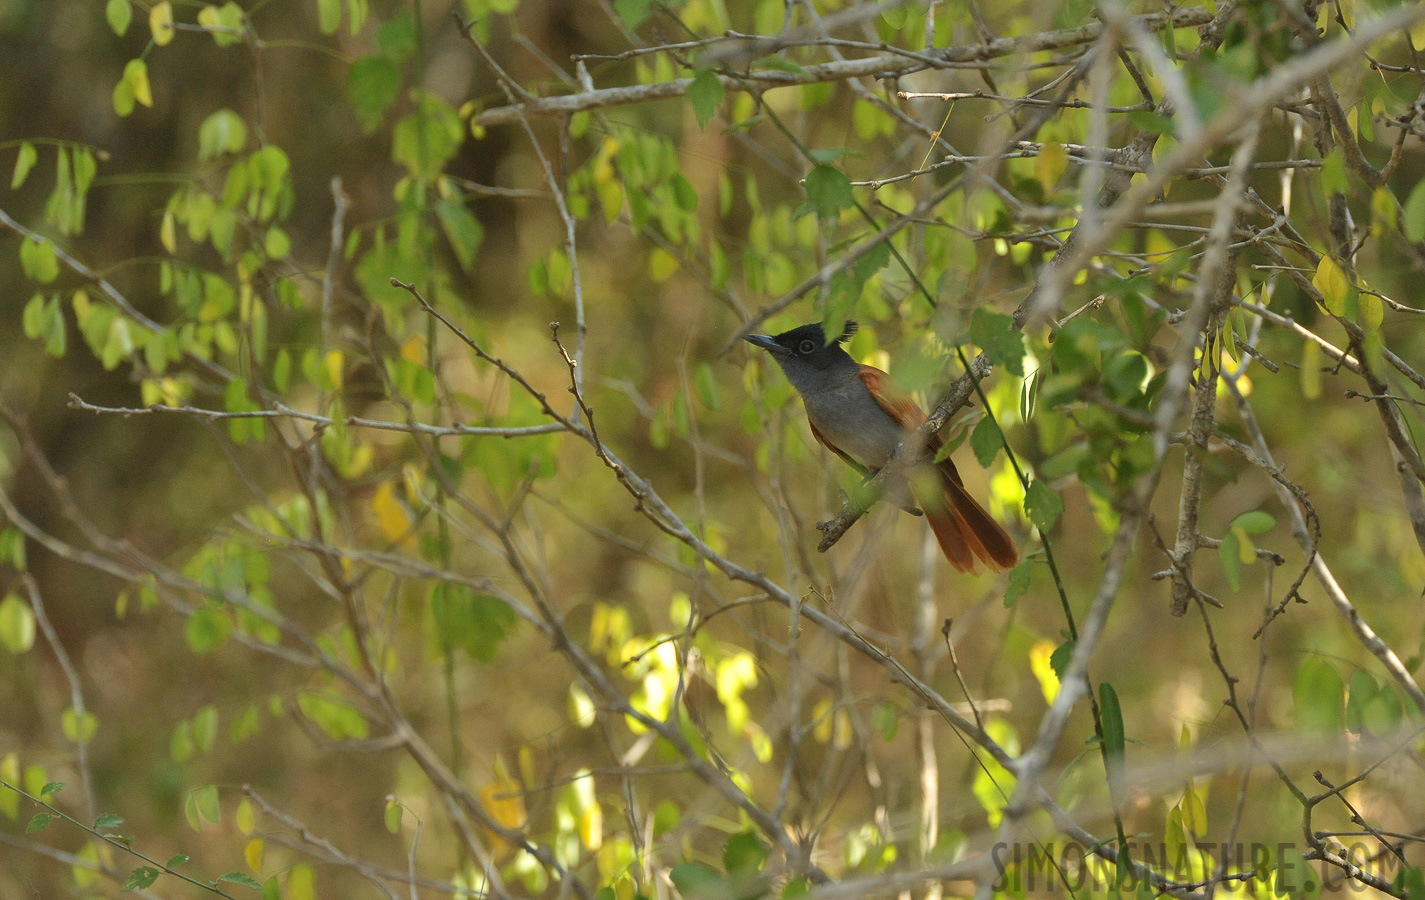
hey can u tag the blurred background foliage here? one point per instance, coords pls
(208, 204)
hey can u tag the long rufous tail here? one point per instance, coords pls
(967, 534)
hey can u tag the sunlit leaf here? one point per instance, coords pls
(17, 625)
(24, 161)
(828, 191)
(119, 13)
(160, 23)
(1331, 281)
(705, 93)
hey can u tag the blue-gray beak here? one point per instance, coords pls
(766, 342)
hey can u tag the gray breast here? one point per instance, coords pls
(850, 418)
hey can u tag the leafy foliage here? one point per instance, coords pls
(397, 564)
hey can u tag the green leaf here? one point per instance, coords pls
(123, 98)
(207, 630)
(276, 244)
(38, 260)
(339, 719)
(1319, 696)
(78, 728)
(425, 141)
(140, 878)
(1414, 214)
(52, 787)
(995, 334)
(633, 12)
(205, 800)
(985, 441)
(222, 132)
(39, 823)
(706, 383)
(205, 728)
(1333, 173)
(240, 878)
(462, 229)
(1363, 690)
(24, 161)
(828, 191)
(695, 880)
(1111, 714)
(1383, 714)
(473, 622)
(744, 852)
(224, 23)
(32, 321)
(1059, 659)
(884, 721)
(1294, 876)
(1043, 505)
(396, 38)
(1018, 584)
(109, 821)
(328, 15)
(1255, 522)
(12, 547)
(374, 85)
(705, 93)
(17, 624)
(119, 14)
(1229, 553)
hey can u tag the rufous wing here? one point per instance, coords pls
(966, 533)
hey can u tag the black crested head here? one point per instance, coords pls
(803, 341)
(804, 350)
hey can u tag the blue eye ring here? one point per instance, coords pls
(806, 346)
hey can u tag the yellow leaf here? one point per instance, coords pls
(844, 733)
(1194, 813)
(1050, 164)
(412, 480)
(1332, 284)
(1311, 370)
(391, 516)
(160, 22)
(504, 801)
(136, 73)
(10, 774)
(591, 826)
(253, 854)
(168, 233)
(414, 349)
(1043, 672)
(1372, 311)
(661, 264)
(821, 715)
(301, 884)
(245, 817)
(361, 459)
(1246, 552)
(581, 708)
(333, 363)
(86, 875)
(1383, 211)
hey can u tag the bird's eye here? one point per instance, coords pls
(806, 346)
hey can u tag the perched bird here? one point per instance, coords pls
(859, 414)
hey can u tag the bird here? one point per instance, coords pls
(857, 412)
